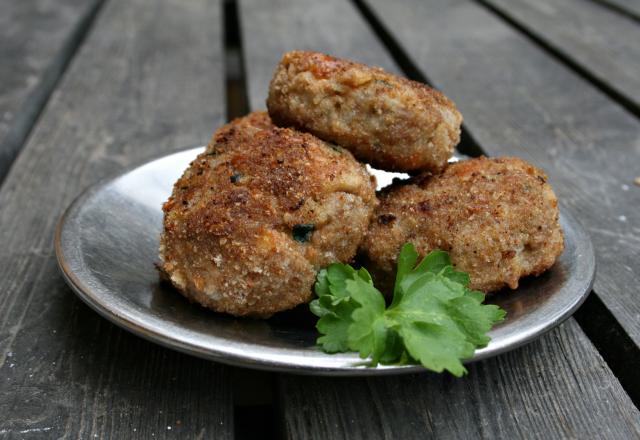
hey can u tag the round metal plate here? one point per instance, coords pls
(107, 243)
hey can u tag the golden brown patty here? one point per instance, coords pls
(239, 131)
(257, 214)
(391, 122)
(497, 218)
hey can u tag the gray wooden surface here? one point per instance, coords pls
(516, 100)
(603, 42)
(561, 391)
(304, 27)
(37, 37)
(65, 371)
(340, 411)
(149, 78)
(627, 7)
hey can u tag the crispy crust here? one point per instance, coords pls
(228, 239)
(239, 131)
(390, 122)
(497, 218)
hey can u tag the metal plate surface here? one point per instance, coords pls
(107, 243)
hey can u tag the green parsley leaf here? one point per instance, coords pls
(434, 318)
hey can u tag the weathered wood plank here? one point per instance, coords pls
(628, 7)
(604, 43)
(325, 408)
(148, 80)
(537, 391)
(301, 25)
(516, 100)
(37, 37)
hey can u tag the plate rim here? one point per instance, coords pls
(138, 328)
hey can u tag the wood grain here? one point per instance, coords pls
(148, 80)
(302, 26)
(566, 364)
(552, 388)
(627, 7)
(517, 100)
(600, 41)
(37, 37)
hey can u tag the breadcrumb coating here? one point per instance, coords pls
(256, 215)
(390, 122)
(497, 218)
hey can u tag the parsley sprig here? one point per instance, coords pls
(434, 319)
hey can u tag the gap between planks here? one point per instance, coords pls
(620, 8)
(606, 334)
(37, 100)
(615, 95)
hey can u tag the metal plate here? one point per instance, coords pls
(107, 243)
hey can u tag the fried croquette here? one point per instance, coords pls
(239, 131)
(497, 218)
(256, 215)
(390, 122)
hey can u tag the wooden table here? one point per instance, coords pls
(90, 87)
